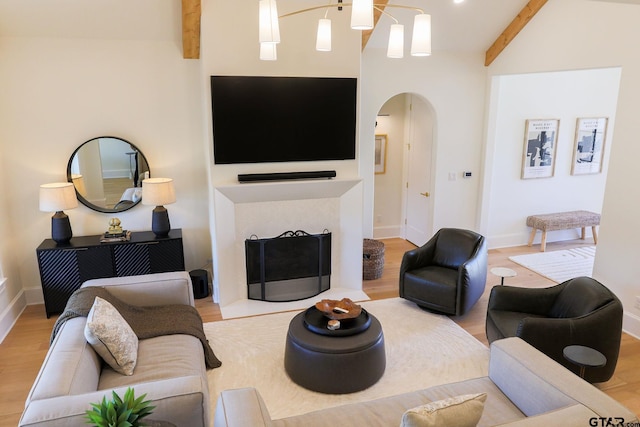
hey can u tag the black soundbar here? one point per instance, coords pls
(283, 176)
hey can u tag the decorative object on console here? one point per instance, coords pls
(362, 18)
(158, 192)
(56, 197)
(115, 232)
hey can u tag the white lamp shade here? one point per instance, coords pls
(323, 39)
(268, 52)
(158, 191)
(362, 14)
(396, 41)
(269, 29)
(57, 196)
(421, 40)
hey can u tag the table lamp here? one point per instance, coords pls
(56, 197)
(158, 192)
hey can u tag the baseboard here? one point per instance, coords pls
(387, 232)
(34, 296)
(631, 325)
(11, 314)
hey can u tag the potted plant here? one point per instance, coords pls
(119, 412)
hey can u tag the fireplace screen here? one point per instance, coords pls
(293, 266)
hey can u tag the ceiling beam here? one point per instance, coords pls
(191, 11)
(513, 29)
(376, 16)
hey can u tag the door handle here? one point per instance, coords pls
(425, 194)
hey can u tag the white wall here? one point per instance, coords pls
(578, 34)
(559, 95)
(454, 85)
(58, 93)
(388, 200)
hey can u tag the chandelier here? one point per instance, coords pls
(361, 19)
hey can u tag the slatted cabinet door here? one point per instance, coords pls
(62, 271)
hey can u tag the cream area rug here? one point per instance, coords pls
(559, 265)
(422, 349)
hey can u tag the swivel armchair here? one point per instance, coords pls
(447, 274)
(579, 311)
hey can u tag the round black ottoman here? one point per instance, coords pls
(334, 364)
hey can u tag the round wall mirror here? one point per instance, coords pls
(107, 173)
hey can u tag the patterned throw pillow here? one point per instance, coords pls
(459, 411)
(111, 337)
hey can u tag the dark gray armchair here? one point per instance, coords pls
(580, 311)
(448, 274)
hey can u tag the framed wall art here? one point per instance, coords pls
(381, 154)
(588, 150)
(539, 154)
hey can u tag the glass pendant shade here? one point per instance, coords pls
(323, 39)
(421, 40)
(362, 15)
(269, 29)
(396, 41)
(268, 52)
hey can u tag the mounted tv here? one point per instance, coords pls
(283, 119)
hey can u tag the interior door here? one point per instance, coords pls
(419, 199)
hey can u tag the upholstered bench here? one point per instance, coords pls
(562, 221)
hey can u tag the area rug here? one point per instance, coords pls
(559, 265)
(422, 349)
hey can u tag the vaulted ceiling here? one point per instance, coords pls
(472, 26)
(464, 21)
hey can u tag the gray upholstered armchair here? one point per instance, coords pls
(580, 311)
(447, 274)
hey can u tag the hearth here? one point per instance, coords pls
(292, 266)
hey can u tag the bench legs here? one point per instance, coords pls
(543, 239)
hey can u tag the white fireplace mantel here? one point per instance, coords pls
(287, 190)
(263, 207)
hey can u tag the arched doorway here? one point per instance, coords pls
(403, 199)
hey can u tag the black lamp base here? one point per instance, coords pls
(160, 222)
(61, 228)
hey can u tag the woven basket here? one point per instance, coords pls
(372, 259)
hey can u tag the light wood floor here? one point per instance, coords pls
(24, 349)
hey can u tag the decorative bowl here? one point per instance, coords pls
(339, 310)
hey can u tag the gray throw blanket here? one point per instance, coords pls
(146, 322)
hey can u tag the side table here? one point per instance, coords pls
(584, 357)
(503, 272)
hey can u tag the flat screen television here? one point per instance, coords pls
(283, 119)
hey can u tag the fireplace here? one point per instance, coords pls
(292, 266)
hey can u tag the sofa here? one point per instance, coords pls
(524, 388)
(170, 369)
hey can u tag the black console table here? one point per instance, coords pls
(63, 268)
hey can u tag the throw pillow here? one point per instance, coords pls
(459, 411)
(111, 337)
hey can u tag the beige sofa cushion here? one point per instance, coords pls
(159, 360)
